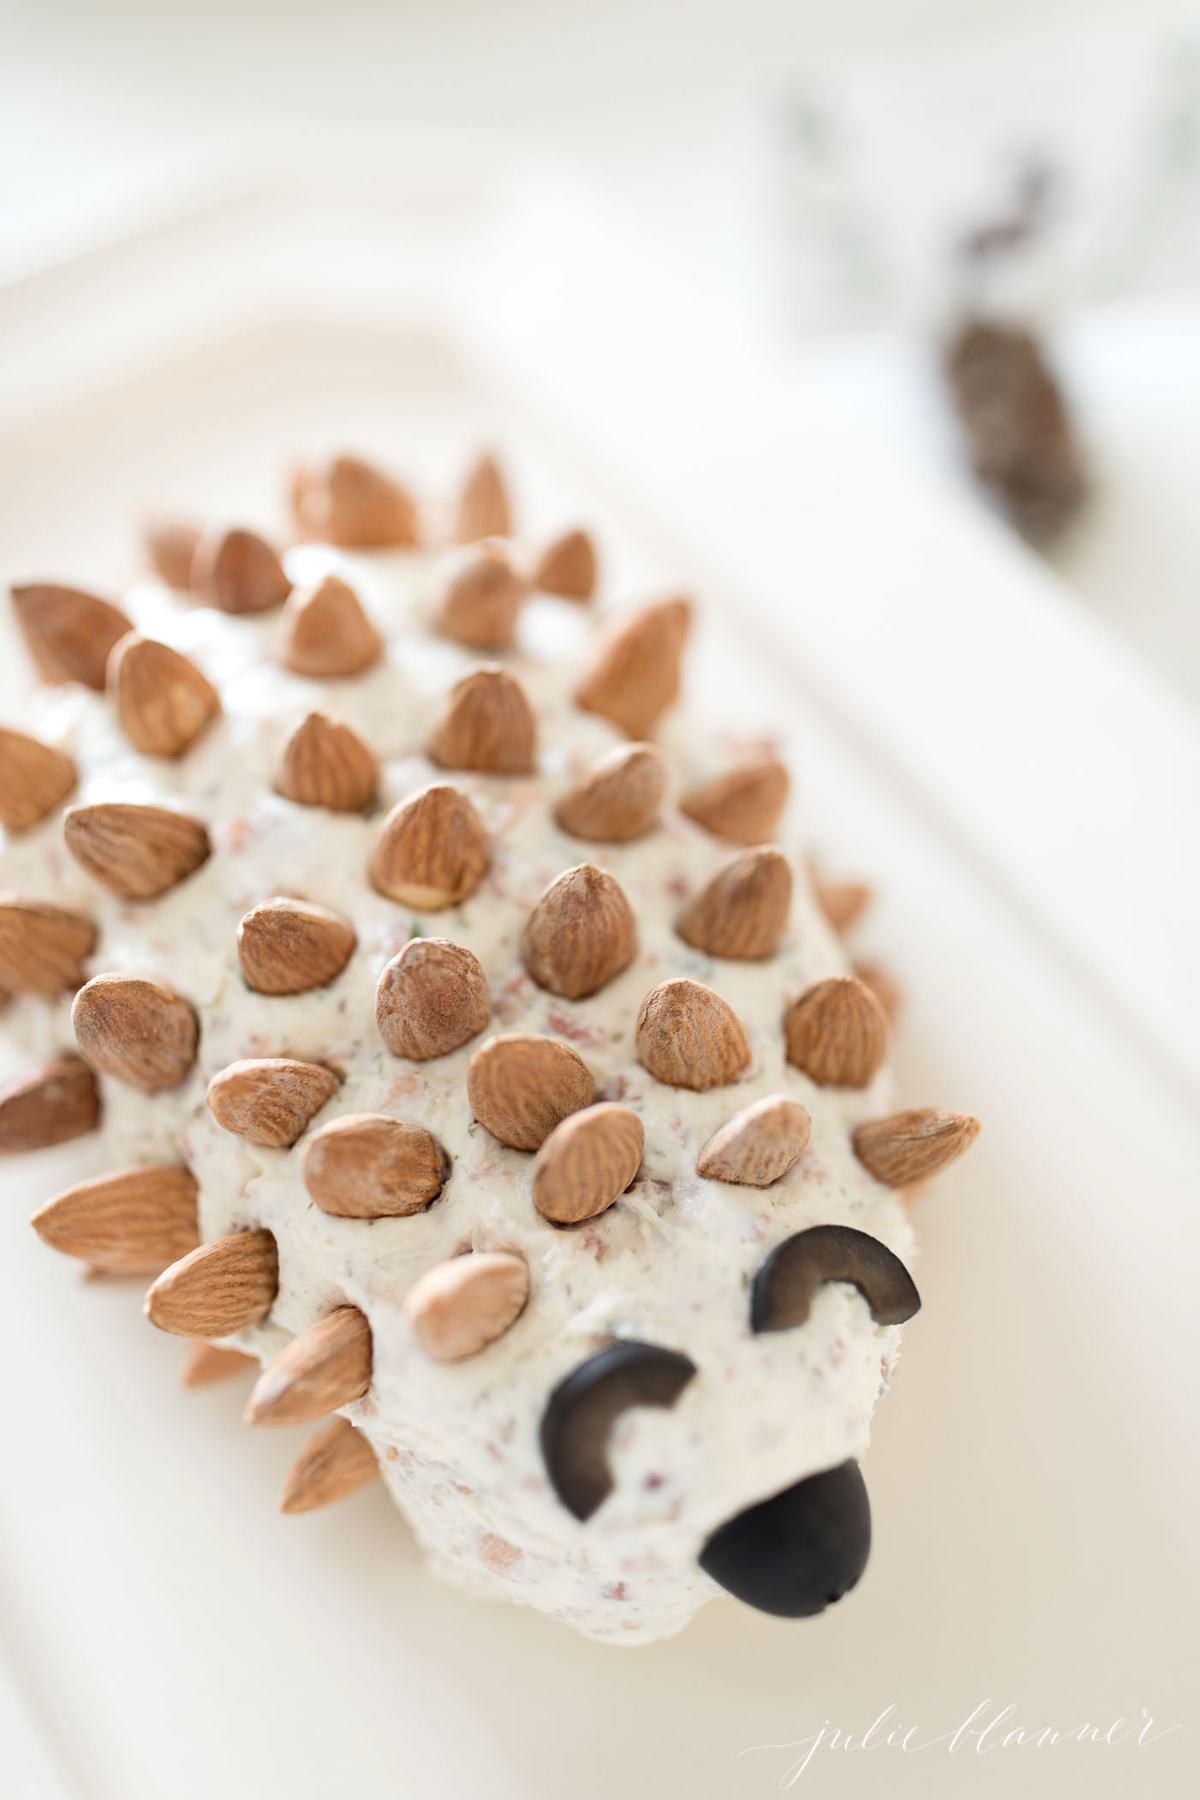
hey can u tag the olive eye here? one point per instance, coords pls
(581, 1412)
(789, 1278)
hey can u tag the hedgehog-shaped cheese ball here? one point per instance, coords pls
(464, 1050)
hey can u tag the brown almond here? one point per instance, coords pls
(581, 933)
(459, 1307)
(638, 672)
(567, 567)
(222, 1287)
(170, 546)
(327, 633)
(431, 998)
(53, 1105)
(587, 1162)
(883, 985)
(208, 1364)
(238, 572)
(335, 1462)
(135, 850)
(269, 1100)
(759, 1144)
(43, 947)
(291, 946)
(367, 1166)
(743, 806)
(164, 702)
(521, 1086)
(351, 503)
(139, 1031)
(133, 1222)
(619, 797)
(837, 1033)
(324, 1367)
(69, 633)
(325, 763)
(842, 903)
(689, 1037)
(35, 778)
(484, 509)
(908, 1147)
(743, 912)
(482, 600)
(432, 852)
(488, 725)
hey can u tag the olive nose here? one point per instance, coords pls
(799, 1551)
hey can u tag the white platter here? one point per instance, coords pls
(1034, 1473)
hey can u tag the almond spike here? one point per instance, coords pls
(567, 567)
(170, 546)
(269, 1100)
(459, 1307)
(581, 933)
(744, 805)
(291, 946)
(324, 1367)
(327, 633)
(883, 985)
(42, 947)
(587, 1162)
(619, 797)
(759, 1144)
(366, 1166)
(208, 1364)
(842, 903)
(133, 1222)
(336, 1462)
(637, 674)
(432, 852)
(431, 998)
(484, 509)
(220, 1288)
(521, 1086)
(139, 1031)
(743, 912)
(911, 1146)
(355, 505)
(837, 1033)
(325, 763)
(482, 600)
(53, 1105)
(69, 633)
(238, 572)
(135, 850)
(488, 725)
(34, 779)
(163, 701)
(689, 1037)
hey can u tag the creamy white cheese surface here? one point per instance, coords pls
(670, 1262)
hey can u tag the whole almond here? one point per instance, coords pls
(53, 1105)
(291, 946)
(139, 1031)
(484, 509)
(42, 947)
(581, 933)
(587, 1162)
(326, 632)
(482, 599)
(637, 674)
(689, 1037)
(69, 633)
(521, 1086)
(488, 725)
(743, 912)
(459, 1307)
(843, 903)
(355, 505)
(335, 1462)
(367, 1166)
(170, 546)
(837, 1033)
(269, 1100)
(431, 998)
(238, 572)
(133, 1222)
(163, 701)
(218, 1289)
(432, 852)
(743, 806)
(325, 763)
(134, 850)
(911, 1146)
(567, 567)
(324, 1367)
(618, 799)
(35, 778)
(209, 1363)
(759, 1144)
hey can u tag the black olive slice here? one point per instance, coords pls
(788, 1279)
(797, 1553)
(584, 1407)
